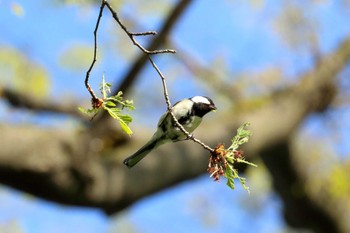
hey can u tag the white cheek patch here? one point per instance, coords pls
(200, 99)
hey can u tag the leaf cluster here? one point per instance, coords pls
(222, 161)
(114, 105)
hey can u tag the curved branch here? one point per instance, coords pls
(300, 211)
(140, 62)
(21, 100)
(69, 167)
(164, 31)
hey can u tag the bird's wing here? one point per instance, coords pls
(156, 140)
(162, 118)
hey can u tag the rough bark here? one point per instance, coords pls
(70, 167)
(84, 167)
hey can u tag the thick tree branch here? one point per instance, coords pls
(163, 32)
(300, 210)
(69, 167)
(22, 100)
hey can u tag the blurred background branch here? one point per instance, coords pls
(80, 163)
(25, 100)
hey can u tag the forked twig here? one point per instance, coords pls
(94, 57)
(132, 36)
(166, 96)
(221, 160)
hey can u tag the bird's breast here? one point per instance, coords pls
(192, 123)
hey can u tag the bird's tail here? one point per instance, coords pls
(142, 152)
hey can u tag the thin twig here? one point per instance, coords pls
(166, 95)
(144, 33)
(132, 34)
(148, 53)
(94, 97)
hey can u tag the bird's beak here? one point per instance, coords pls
(212, 108)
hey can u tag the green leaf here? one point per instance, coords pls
(228, 174)
(230, 159)
(104, 87)
(112, 112)
(125, 127)
(127, 104)
(230, 183)
(82, 110)
(119, 94)
(230, 177)
(241, 137)
(88, 111)
(246, 162)
(124, 120)
(110, 104)
(232, 156)
(242, 181)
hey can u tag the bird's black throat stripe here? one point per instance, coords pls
(200, 109)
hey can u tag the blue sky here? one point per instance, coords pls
(184, 208)
(45, 31)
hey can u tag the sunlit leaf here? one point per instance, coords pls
(77, 57)
(124, 120)
(17, 9)
(222, 161)
(22, 74)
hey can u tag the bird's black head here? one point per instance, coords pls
(202, 105)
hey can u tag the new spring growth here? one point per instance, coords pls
(113, 105)
(222, 161)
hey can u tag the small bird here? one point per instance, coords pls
(188, 112)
